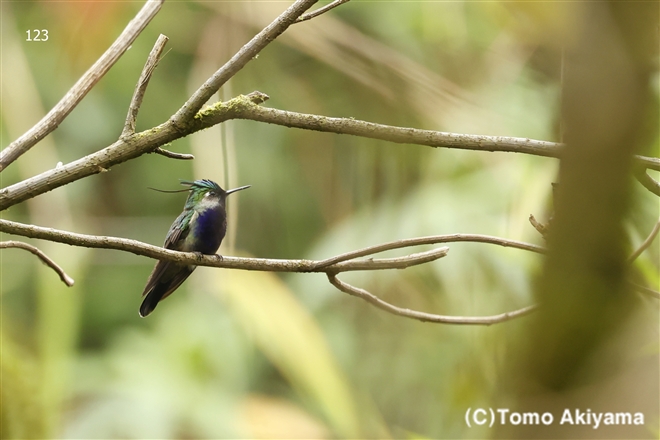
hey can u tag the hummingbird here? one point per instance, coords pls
(199, 228)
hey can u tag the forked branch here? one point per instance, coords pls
(423, 316)
(321, 10)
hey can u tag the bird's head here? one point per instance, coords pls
(207, 192)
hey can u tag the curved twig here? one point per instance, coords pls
(422, 316)
(173, 155)
(58, 113)
(321, 10)
(66, 279)
(143, 82)
(432, 239)
(647, 181)
(646, 243)
(389, 263)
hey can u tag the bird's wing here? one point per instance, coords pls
(156, 276)
(177, 233)
(179, 230)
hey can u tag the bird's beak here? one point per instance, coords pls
(237, 189)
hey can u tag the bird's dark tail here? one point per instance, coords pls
(150, 301)
(158, 289)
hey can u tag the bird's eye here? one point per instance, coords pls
(207, 194)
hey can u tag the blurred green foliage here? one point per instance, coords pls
(261, 355)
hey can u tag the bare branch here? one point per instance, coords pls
(66, 279)
(422, 316)
(646, 243)
(407, 135)
(173, 155)
(58, 113)
(141, 86)
(321, 10)
(433, 239)
(401, 135)
(239, 60)
(390, 263)
(652, 163)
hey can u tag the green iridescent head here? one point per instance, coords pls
(206, 189)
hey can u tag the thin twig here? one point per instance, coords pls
(66, 279)
(541, 228)
(407, 135)
(58, 113)
(173, 155)
(646, 243)
(390, 263)
(321, 10)
(432, 239)
(401, 135)
(422, 316)
(247, 53)
(141, 86)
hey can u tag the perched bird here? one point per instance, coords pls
(200, 228)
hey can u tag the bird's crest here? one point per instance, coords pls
(197, 190)
(197, 185)
(203, 185)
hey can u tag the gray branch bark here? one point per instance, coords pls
(321, 10)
